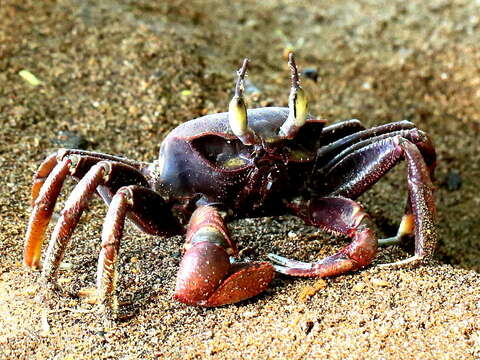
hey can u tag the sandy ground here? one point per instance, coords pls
(121, 74)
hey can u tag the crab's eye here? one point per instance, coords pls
(221, 152)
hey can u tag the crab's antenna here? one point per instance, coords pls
(237, 110)
(297, 103)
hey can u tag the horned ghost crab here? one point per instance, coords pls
(261, 162)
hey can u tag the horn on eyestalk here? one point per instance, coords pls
(237, 110)
(297, 103)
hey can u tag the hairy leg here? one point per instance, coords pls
(47, 185)
(93, 157)
(152, 211)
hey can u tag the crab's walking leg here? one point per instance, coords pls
(103, 173)
(70, 215)
(151, 211)
(367, 165)
(45, 168)
(43, 205)
(107, 262)
(48, 182)
(362, 167)
(337, 150)
(337, 147)
(52, 160)
(206, 276)
(336, 215)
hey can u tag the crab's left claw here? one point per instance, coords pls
(206, 277)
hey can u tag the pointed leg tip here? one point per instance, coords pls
(278, 259)
(410, 262)
(32, 263)
(281, 269)
(274, 257)
(288, 263)
(34, 266)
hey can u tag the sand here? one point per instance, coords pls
(121, 74)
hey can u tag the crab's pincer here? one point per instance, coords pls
(206, 277)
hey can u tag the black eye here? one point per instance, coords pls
(225, 153)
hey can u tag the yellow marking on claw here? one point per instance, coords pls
(270, 140)
(211, 229)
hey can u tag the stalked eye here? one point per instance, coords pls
(227, 154)
(237, 110)
(297, 104)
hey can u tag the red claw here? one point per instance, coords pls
(246, 280)
(206, 277)
(202, 270)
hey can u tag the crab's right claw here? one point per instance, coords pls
(206, 277)
(337, 215)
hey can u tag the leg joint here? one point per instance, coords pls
(127, 193)
(107, 169)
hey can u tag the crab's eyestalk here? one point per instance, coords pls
(297, 103)
(237, 110)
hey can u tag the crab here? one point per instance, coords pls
(262, 162)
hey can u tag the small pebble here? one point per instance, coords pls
(29, 77)
(453, 180)
(379, 282)
(358, 287)
(69, 140)
(311, 74)
(308, 291)
(250, 88)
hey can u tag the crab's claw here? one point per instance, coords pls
(206, 276)
(339, 216)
